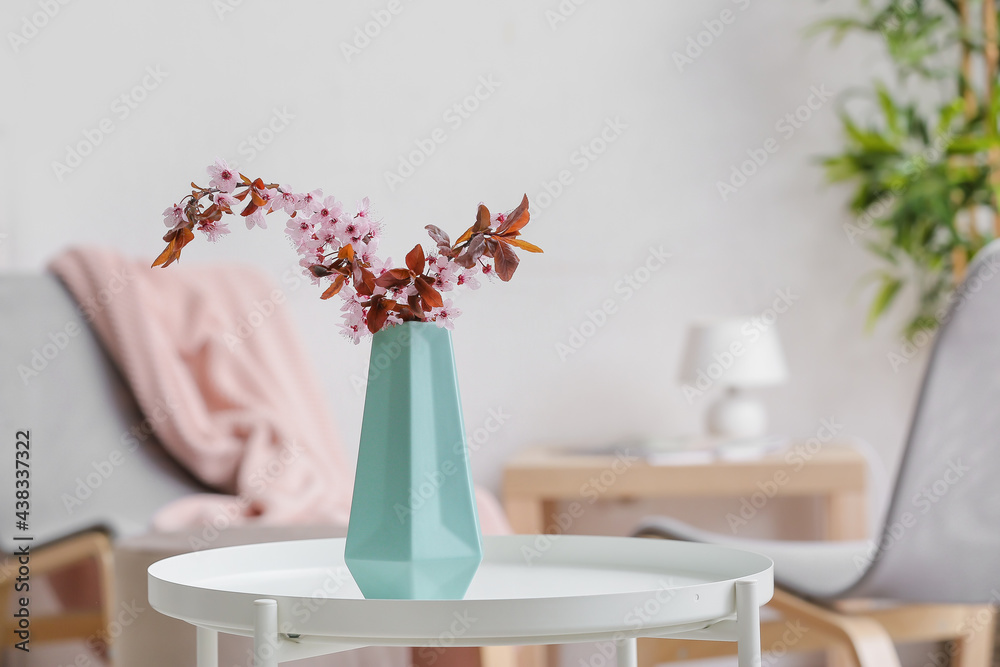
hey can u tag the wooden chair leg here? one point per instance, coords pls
(498, 656)
(974, 647)
(867, 643)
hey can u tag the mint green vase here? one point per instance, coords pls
(414, 530)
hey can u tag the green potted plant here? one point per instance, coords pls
(924, 156)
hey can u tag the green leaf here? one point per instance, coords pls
(883, 299)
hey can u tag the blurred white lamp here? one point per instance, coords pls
(736, 354)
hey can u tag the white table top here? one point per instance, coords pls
(529, 589)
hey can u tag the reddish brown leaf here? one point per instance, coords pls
(256, 198)
(465, 237)
(505, 260)
(519, 243)
(472, 252)
(367, 283)
(346, 252)
(319, 270)
(332, 290)
(378, 313)
(393, 278)
(259, 184)
(415, 306)
(172, 252)
(243, 195)
(246, 180)
(517, 219)
(439, 236)
(415, 259)
(250, 208)
(482, 219)
(431, 297)
(491, 247)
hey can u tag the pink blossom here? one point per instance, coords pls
(270, 197)
(310, 202)
(364, 207)
(446, 279)
(256, 219)
(329, 213)
(367, 253)
(224, 200)
(353, 231)
(468, 279)
(489, 271)
(174, 216)
(299, 230)
(223, 176)
(287, 200)
(214, 230)
(446, 314)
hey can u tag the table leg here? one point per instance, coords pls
(265, 633)
(628, 655)
(208, 648)
(846, 512)
(748, 624)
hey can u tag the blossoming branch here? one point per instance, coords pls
(338, 249)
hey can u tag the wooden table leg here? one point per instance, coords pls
(845, 516)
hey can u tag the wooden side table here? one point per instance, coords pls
(536, 479)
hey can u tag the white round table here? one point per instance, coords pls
(298, 599)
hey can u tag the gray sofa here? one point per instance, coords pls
(95, 466)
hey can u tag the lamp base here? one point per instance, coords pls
(735, 415)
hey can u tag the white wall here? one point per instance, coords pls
(655, 185)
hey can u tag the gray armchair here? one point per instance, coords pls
(939, 548)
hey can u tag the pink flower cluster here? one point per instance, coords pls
(338, 249)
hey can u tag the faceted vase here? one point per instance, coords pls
(414, 530)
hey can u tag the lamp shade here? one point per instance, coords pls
(739, 352)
